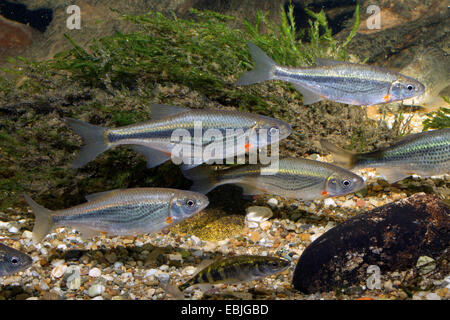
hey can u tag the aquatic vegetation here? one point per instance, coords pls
(201, 53)
(438, 119)
(113, 81)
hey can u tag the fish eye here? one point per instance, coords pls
(346, 183)
(409, 87)
(14, 260)
(274, 264)
(273, 131)
(190, 203)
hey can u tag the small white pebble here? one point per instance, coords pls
(13, 229)
(59, 270)
(272, 202)
(27, 234)
(95, 273)
(96, 290)
(432, 296)
(329, 202)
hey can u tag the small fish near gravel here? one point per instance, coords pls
(154, 138)
(339, 81)
(121, 212)
(425, 153)
(232, 270)
(294, 178)
(12, 260)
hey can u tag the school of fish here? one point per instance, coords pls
(147, 210)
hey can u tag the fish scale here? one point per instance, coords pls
(223, 130)
(426, 153)
(338, 81)
(121, 212)
(237, 269)
(294, 178)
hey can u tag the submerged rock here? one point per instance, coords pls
(391, 237)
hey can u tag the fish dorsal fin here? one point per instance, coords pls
(329, 62)
(393, 174)
(98, 195)
(154, 157)
(161, 111)
(309, 97)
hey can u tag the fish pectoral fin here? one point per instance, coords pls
(309, 97)
(154, 157)
(393, 174)
(161, 111)
(87, 234)
(202, 265)
(248, 190)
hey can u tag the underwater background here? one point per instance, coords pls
(129, 54)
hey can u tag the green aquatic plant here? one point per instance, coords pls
(438, 119)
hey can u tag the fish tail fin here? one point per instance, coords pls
(43, 223)
(343, 157)
(204, 178)
(174, 291)
(94, 141)
(263, 67)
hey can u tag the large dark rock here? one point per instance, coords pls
(392, 237)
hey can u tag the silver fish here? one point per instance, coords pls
(339, 81)
(294, 178)
(12, 260)
(120, 212)
(426, 154)
(154, 138)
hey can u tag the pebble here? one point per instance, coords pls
(432, 296)
(265, 225)
(196, 241)
(162, 276)
(95, 273)
(425, 264)
(73, 281)
(59, 270)
(189, 271)
(329, 202)
(348, 204)
(96, 290)
(151, 273)
(27, 234)
(272, 202)
(256, 214)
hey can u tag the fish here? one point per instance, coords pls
(339, 81)
(294, 178)
(425, 153)
(12, 260)
(230, 271)
(154, 138)
(432, 68)
(120, 212)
